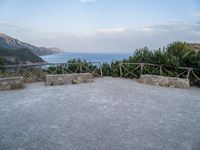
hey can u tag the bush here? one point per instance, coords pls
(175, 55)
(2, 69)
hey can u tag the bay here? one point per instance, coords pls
(90, 57)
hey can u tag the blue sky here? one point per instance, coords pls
(101, 25)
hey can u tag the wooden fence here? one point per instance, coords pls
(37, 71)
(185, 72)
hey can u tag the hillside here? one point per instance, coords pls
(195, 46)
(12, 43)
(18, 56)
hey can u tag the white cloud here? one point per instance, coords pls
(87, 1)
(109, 40)
(195, 14)
(127, 39)
(112, 30)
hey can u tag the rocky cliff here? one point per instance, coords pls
(12, 43)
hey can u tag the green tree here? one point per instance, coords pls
(2, 65)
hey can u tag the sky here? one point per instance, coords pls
(119, 26)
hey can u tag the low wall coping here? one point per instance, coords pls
(11, 78)
(57, 75)
(147, 75)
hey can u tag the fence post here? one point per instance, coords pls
(101, 72)
(41, 73)
(120, 69)
(62, 69)
(160, 70)
(67, 71)
(141, 68)
(188, 74)
(81, 69)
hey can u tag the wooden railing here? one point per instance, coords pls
(189, 71)
(37, 71)
(185, 72)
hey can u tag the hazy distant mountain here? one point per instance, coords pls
(195, 46)
(12, 43)
(48, 51)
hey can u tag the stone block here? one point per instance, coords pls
(165, 81)
(75, 78)
(11, 83)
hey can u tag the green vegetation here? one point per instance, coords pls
(74, 65)
(2, 69)
(174, 56)
(170, 59)
(23, 55)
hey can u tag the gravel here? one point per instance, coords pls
(108, 114)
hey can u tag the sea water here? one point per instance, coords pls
(90, 57)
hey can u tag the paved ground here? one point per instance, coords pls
(108, 114)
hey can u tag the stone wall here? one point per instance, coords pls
(75, 78)
(11, 83)
(165, 81)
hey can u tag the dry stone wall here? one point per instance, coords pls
(11, 83)
(165, 81)
(75, 78)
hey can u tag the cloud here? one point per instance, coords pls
(7, 25)
(113, 39)
(195, 14)
(87, 1)
(112, 30)
(128, 39)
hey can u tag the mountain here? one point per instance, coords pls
(48, 51)
(195, 46)
(12, 43)
(18, 56)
